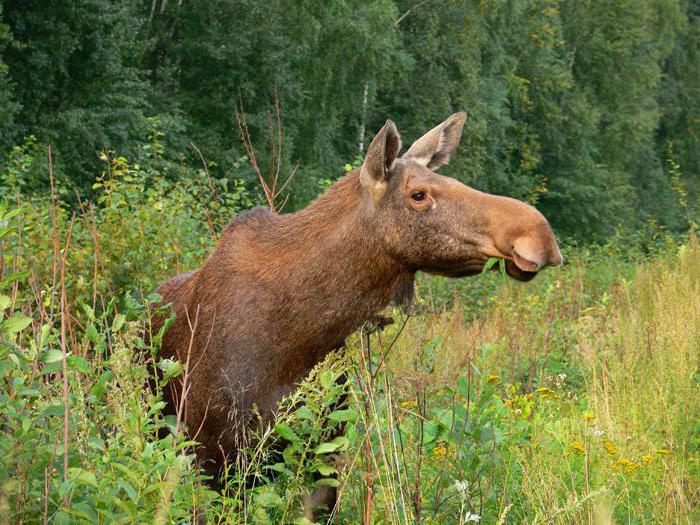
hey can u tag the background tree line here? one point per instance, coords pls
(585, 107)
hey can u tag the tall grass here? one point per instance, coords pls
(562, 404)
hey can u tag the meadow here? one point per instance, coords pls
(574, 398)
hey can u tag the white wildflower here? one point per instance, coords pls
(462, 487)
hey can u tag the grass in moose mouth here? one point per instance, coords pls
(569, 399)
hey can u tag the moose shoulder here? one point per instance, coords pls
(281, 291)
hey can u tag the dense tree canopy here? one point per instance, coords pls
(580, 107)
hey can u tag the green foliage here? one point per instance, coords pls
(75, 71)
(570, 104)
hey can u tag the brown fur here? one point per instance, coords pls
(281, 291)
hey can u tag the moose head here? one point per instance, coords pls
(436, 224)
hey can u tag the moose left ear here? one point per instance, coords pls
(433, 149)
(379, 161)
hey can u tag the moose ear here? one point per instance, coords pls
(379, 161)
(433, 149)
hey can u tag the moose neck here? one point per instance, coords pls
(339, 262)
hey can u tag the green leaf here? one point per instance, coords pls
(100, 387)
(326, 470)
(52, 355)
(303, 412)
(15, 277)
(171, 368)
(327, 378)
(118, 322)
(339, 443)
(430, 432)
(5, 366)
(53, 410)
(4, 302)
(344, 415)
(129, 490)
(92, 334)
(277, 467)
(490, 263)
(16, 324)
(287, 433)
(44, 335)
(80, 476)
(328, 482)
(78, 363)
(268, 498)
(157, 340)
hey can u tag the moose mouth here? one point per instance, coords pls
(516, 272)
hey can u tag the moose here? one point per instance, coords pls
(281, 291)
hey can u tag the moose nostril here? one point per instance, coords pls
(526, 263)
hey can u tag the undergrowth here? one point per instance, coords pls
(571, 399)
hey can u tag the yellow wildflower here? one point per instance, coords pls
(590, 423)
(440, 451)
(626, 465)
(493, 379)
(578, 447)
(663, 451)
(647, 458)
(546, 393)
(589, 416)
(544, 390)
(610, 448)
(411, 403)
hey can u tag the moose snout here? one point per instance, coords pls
(533, 252)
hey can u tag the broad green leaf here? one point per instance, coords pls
(92, 334)
(287, 433)
(44, 335)
(118, 322)
(328, 482)
(16, 324)
(327, 470)
(171, 368)
(277, 467)
(78, 363)
(82, 476)
(344, 415)
(303, 412)
(5, 366)
(15, 277)
(339, 443)
(4, 302)
(53, 410)
(52, 355)
(268, 498)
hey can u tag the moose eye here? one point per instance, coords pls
(418, 196)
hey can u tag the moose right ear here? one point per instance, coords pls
(379, 161)
(434, 148)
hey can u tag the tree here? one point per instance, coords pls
(8, 106)
(75, 69)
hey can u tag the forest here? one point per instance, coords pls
(132, 132)
(580, 107)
